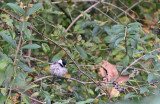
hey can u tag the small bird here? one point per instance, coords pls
(58, 68)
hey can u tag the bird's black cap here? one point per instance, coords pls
(64, 62)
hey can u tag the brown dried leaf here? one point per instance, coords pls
(111, 71)
(104, 74)
(111, 75)
(122, 79)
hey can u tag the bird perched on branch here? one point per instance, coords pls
(58, 68)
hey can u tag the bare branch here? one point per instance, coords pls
(74, 1)
(138, 60)
(119, 9)
(70, 79)
(106, 15)
(74, 21)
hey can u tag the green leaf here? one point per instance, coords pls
(118, 41)
(118, 29)
(96, 39)
(5, 57)
(143, 89)
(129, 51)
(20, 81)
(77, 27)
(35, 94)
(140, 52)
(88, 23)
(30, 87)
(157, 66)
(117, 50)
(45, 47)
(8, 39)
(150, 77)
(125, 61)
(3, 91)
(129, 95)
(2, 77)
(147, 56)
(91, 91)
(26, 99)
(58, 56)
(115, 37)
(95, 30)
(135, 24)
(24, 67)
(79, 38)
(86, 15)
(90, 100)
(16, 8)
(107, 30)
(2, 99)
(34, 9)
(3, 64)
(10, 22)
(107, 39)
(134, 44)
(81, 52)
(31, 46)
(26, 24)
(9, 71)
(9, 101)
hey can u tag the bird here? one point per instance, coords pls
(58, 68)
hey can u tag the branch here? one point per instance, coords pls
(29, 50)
(60, 47)
(138, 60)
(119, 9)
(73, 22)
(74, 1)
(73, 79)
(106, 15)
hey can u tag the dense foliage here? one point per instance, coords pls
(122, 32)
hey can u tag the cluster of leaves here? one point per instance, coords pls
(25, 55)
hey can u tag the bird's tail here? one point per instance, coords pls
(53, 79)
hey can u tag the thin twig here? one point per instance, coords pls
(70, 14)
(74, 21)
(106, 15)
(29, 50)
(18, 48)
(73, 79)
(131, 8)
(37, 100)
(125, 39)
(137, 61)
(126, 6)
(119, 9)
(74, 1)
(31, 58)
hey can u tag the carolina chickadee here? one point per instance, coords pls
(58, 68)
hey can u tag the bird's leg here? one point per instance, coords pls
(54, 76)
